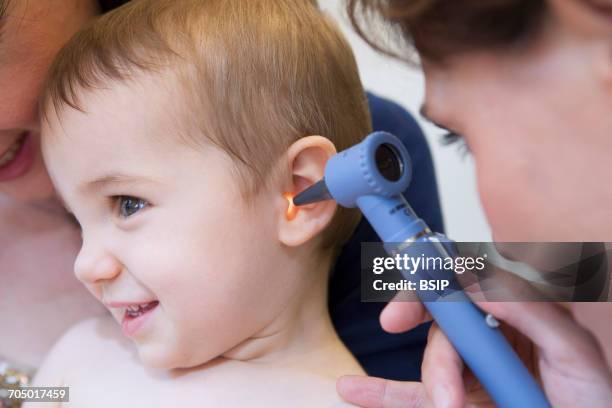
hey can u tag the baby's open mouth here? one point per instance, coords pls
(12, 151)
(138, 310)
(136, 316)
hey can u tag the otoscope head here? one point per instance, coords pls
(379, 165)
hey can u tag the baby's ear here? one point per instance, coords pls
(306, 159)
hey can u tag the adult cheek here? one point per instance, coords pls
(33, 186)
(505, 200)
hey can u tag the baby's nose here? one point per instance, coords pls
(94, 267)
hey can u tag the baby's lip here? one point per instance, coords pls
(119, 308)
(122, 304)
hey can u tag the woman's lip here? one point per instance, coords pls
(22, 162)
(132, 325)
(8, 147)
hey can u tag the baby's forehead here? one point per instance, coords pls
(149, 107)
(79, 147)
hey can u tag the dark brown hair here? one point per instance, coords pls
(3, 7)
(107, 5)
(441, 28)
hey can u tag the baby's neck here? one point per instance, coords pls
(300, 332)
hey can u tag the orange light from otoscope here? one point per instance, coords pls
(292, 210)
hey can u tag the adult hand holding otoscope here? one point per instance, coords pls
(371, 176)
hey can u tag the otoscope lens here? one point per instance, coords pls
(389, 162)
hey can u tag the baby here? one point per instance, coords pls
(173, 130)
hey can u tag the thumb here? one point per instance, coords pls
(372, 392)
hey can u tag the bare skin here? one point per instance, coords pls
(97, 346)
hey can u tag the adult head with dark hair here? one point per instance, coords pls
(527, 85)
(31, 34)
(38, 240)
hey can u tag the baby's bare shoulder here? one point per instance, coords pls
(302, 387)
(92, 332)
(89, 343)
(95, 339)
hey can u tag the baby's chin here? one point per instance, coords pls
(165, 348)
(161, 357)
(156, 357)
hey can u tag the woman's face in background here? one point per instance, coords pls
(31, 33)
(538, 122)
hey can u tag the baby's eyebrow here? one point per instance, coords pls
(114, 178)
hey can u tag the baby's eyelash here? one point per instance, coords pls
(450, 138)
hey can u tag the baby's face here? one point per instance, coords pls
(168, 245)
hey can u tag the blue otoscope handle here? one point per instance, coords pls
(475, 337)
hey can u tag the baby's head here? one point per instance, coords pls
(172, 129)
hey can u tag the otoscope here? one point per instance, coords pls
(372, 176)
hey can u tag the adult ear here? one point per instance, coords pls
(306, 159)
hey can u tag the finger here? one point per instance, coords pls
(399, 316)
(551, 327)
(442, 371)
(405, 296)
(371, 392)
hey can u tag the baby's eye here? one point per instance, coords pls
(129, 206)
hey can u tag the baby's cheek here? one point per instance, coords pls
(164, 346)
(192, 309)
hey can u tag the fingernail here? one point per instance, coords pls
(440, 397)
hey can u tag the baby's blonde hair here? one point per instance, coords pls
(259, 75)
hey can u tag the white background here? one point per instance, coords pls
(463, 215)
